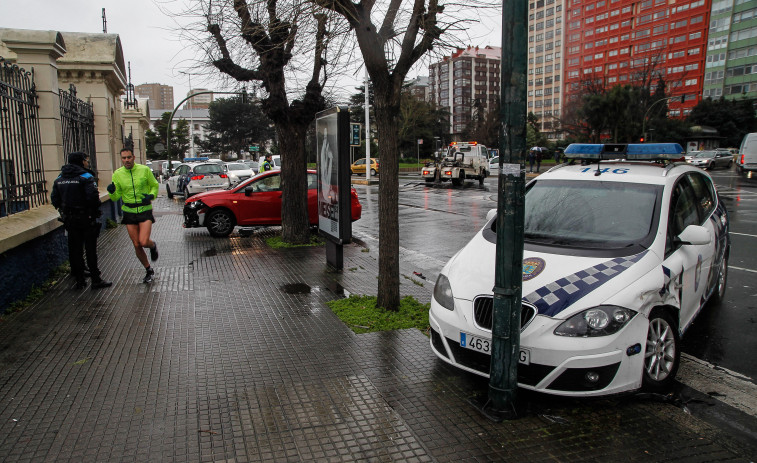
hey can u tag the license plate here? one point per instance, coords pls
(483, 345)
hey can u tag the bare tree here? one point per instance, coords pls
(273, 42)
(390, 49)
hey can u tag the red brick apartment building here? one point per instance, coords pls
(617, 42)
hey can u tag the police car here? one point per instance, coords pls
(620, 255)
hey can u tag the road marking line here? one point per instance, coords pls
(743, 234)
(743, 269)
(725, 385)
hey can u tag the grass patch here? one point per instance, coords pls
(276, 242)
(37, 292)
(362, 316)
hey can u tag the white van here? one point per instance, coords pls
(747, 157)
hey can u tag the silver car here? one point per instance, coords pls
(196, 177)
(711, 159)
(238, 171)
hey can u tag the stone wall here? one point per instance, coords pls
(33, 242)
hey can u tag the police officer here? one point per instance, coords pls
(76, 197)
(267, 165)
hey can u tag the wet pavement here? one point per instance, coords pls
(232, 355)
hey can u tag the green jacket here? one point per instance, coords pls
(132, 185)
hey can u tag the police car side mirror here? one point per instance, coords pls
(694, 235)
(491, 214)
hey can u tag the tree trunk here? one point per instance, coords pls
(389, 265)
(294, 200)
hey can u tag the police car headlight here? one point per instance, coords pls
(602, 320)
(443, 292)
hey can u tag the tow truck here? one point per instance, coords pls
(463, 160)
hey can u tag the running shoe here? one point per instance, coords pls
(148, 276)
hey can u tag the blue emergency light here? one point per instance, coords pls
(630, 151)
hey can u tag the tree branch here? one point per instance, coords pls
(387, 28)
(226, 63)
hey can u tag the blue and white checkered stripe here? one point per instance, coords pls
(559, 295)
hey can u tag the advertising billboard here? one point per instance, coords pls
(333, 137)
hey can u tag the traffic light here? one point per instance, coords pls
(641, 139)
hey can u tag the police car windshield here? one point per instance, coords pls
(607, 215)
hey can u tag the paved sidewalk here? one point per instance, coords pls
(232, 355)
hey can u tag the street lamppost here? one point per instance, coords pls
(644, 121)
(170, 119)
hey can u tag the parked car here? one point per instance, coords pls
(358, 167)
(165, 171)
(156, 165)
(276, 161)
(254, 202)
(196, 177)
(619, 258)
(238, 172)
(494, 165)
(253, 165)
(711, 159)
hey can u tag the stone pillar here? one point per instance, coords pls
(95, 65)
(39, 51)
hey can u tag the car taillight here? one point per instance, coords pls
(198, 177)
(742, 160)
(224, 176)
(425, 172)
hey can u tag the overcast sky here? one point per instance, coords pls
(147, 34)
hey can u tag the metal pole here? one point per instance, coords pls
(503, 379)
(644, 121)
(367, 131)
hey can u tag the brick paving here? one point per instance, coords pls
(232, 355)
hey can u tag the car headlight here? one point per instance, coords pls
(443, 292)
(196, 204)
(602, 320)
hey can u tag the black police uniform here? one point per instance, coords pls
(76, 197)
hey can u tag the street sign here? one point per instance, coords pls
(254, 148)
(159, 148)
(355, 134)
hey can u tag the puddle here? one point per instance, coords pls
(337, 289)
(296, 288)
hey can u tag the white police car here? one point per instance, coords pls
(619, 257)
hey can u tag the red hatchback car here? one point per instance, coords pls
(254, 202)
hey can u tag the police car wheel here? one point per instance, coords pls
(220, 223)
(719, 294)
(662, 354)
(168, 192)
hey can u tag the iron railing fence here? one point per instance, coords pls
(22, 174)
(77, 120)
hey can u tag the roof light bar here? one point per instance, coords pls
(631, 151)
